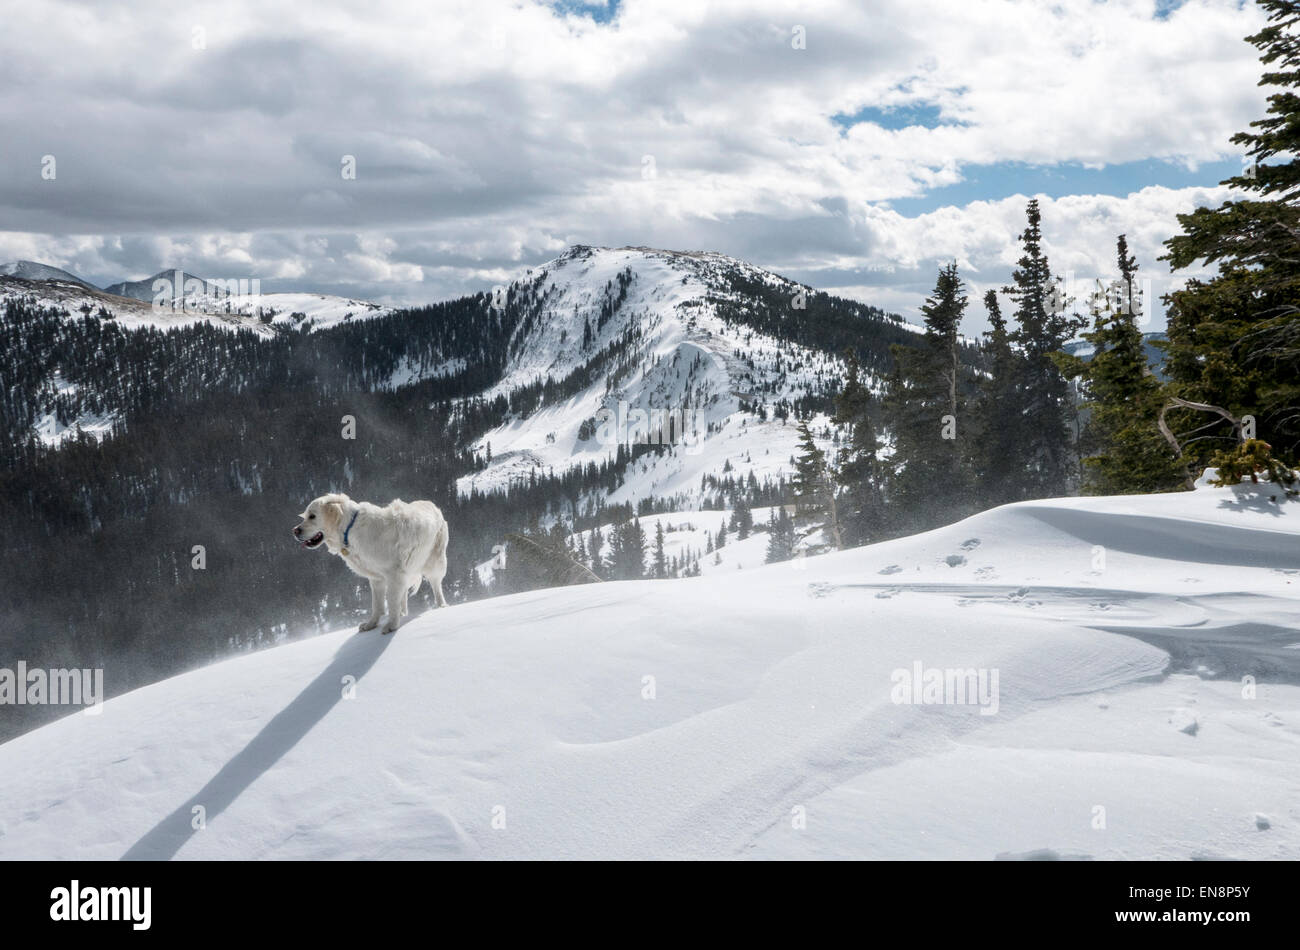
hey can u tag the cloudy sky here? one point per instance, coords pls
(851, 145)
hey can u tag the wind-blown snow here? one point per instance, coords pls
(1120, 630)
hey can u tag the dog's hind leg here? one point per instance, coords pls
(376, 605)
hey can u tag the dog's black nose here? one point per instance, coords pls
(297, 531)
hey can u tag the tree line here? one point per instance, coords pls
(1029, 420)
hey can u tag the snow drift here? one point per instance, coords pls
(1146, 656)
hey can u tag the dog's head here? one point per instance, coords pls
(322, 519)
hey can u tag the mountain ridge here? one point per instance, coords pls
(34, 270)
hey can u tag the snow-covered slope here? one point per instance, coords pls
(686, 365)
(33, 270)
(132, 302)
(243, 300)
(752, 713)
(315, 310)
(78, 299)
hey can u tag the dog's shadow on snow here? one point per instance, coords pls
(354, 658)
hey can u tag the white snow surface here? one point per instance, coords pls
(283, 309)
(523, 726)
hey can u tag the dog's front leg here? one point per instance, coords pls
(376, 604)
(396, 603)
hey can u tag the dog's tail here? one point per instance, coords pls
(440, 542)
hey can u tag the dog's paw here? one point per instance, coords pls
(368, 625)
(388, 628)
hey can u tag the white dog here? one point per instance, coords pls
(392, 547)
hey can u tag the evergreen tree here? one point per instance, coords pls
(471, 585)
(744, 518)
(814, 487)
(627, 551)
(780, 536)
(1123, 397)
(1043, 327)
(596, 559)
(924, 404)
(858, 470)
(996, 449)
(1234, 340)
(660, 562)
(809, 477)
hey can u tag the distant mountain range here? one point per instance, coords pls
(132, 289)
(634, 332)
(132, 302)
(630, 330)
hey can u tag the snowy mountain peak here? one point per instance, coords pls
(640, 345)
(144, 289)
(34, 270)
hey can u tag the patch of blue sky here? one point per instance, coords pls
(924, 114)
(996, 181)
(602, 11)
(1166, 7)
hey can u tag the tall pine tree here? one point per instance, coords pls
(1234, 340)
(995, 443)
(1123, 397)
(627, 551)
(924, 403)
(1045, 445)
(780, 536)
(660, 561)
(858, 469)
(814, 488)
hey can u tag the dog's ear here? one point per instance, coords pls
(333, 513)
